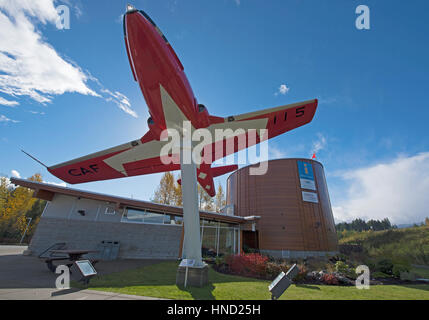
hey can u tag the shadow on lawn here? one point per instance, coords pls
(205, 293)
(162, 274)
(158, 274)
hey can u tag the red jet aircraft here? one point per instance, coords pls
(165, 87)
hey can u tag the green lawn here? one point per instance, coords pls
(159, 281)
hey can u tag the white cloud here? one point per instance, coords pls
(15, 174)
(319, 144)
(37, 112)
(3, 118)
(276, 153)
(121, 101)
(237, 2)
(283, 90)
(31, 67)
(76, 7)
(397, 190)
(8, 103)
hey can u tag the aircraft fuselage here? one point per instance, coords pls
(154, 64)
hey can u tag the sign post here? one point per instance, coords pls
(283, 282)
(187, 264)
(86, 270)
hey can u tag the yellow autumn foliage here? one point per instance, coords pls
(15, 202)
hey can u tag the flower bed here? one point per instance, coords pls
(255, 265)
(334, 272)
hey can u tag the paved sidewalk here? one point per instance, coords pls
(72, 294)
(27, 278)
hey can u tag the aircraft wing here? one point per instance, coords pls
(143, 156)
(276, 121)
(237, 135)
(137, 157)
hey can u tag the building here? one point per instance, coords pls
(144, 230)
(293, 204)
(284, 213)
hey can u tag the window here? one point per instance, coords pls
(153, 218)
(133, 216)
(110, 211)
(178, 220)
(219, 238)
(148, 217)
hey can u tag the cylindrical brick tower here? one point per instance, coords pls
(293, 202)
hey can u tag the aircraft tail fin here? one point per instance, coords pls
(206, 174)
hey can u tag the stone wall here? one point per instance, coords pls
(137, 241)
(289, 254)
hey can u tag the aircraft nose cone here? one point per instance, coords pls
(130, 8)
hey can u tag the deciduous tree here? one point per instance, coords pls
(15, 203)
(220, 201)
(169, 192)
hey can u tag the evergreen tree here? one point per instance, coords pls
(360, 225)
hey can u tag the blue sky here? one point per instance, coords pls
(371, 124)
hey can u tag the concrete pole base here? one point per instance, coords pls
(197, 277)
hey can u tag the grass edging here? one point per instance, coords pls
(159, 280)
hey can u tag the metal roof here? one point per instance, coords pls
(121, 202)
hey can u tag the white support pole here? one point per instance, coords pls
(191, 214)
(202, 233)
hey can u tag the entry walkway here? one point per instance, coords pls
(28, 278)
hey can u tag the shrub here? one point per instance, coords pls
(330, 279)
(273, 269)
(219, 260)
(408, 276)
(385, 266)
(252, 264)
(344, 269)
(370, 264)
(398, 269)
(302, 274)
(378, 274)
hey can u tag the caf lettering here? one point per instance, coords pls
(92, 169)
